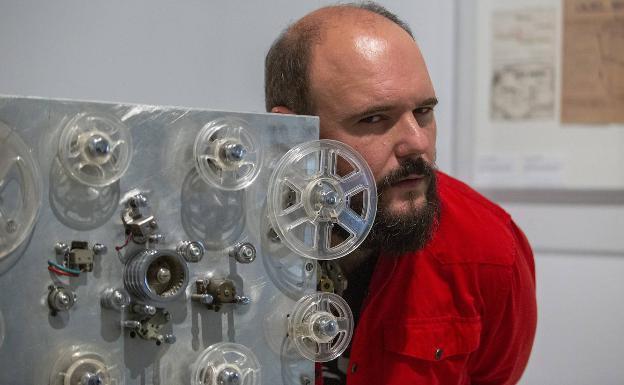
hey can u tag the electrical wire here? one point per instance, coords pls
(61, 272)
(63, 268)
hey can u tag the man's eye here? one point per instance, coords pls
(424, 115)
(423, 110)
(371, 119)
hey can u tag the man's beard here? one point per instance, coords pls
(397, 234)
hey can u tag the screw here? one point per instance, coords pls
(309, 266)
(243, 300)
(91, 379)
(137, 201)
(61, 248)
(229, 376)
(98, 146)
(170, 339)
(99, 248)
(163, 275)
(235, 152)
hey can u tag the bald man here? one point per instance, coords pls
(443, 289)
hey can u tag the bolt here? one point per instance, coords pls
(244, 253)
(329, 198)
(135, 325)
(163, 275)
(326, 328)
(99, 248)
(144, 309)
(235, 152)
(98, 146)
(63, 298)
(170, 339)
(206, 299)
(61, 248)
(156, 238)
(229, 376)
(137, 201)
(91, 379)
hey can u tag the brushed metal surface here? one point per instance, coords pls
(187, 208)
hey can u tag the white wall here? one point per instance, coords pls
(210, 54)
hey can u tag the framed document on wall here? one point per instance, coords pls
(540, 113)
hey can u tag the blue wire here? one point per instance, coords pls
(63, 268)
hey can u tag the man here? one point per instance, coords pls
(447, 278)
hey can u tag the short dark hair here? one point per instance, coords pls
(286, 80)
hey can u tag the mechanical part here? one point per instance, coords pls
(191, 251)
(79, 256)
(156, 275)
(60, 298)
(227, 155)
(321, 326)
(216, 292)
(95, 149)
(243, 252)
(294, 275)
(138, 220)
(150, 327)
(20, 191)
(334, 197)
(331, 279)
(226, 363)
(82, 365)
(115, 299)
(141, 309)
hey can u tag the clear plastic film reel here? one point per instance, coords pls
(20, 191)
(95, 149)
(322, 199)
(82, 365)
(321, 326)
(226, 363)
(227, 154)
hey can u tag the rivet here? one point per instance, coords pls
(439, 353)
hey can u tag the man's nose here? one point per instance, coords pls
(412, 140)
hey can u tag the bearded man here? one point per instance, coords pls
(443, 289)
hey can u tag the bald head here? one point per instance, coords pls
(288, 62)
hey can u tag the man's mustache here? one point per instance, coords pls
(410, 166)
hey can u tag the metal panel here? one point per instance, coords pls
(163, 169)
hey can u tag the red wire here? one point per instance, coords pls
(60, 272)
(117, 248)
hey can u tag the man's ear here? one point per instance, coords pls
(282, 110)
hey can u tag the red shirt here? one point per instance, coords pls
(460, 311)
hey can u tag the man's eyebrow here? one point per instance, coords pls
(430, 102)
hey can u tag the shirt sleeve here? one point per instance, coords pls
(508, 322)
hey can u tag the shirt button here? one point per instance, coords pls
(439, 352)
(354, 368)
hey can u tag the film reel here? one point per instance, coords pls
(227, 155)
(226, 363)
(321, 326)
(322, 199)
(82, 365)
(294, 275)
(95, 149)
(20, 191)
